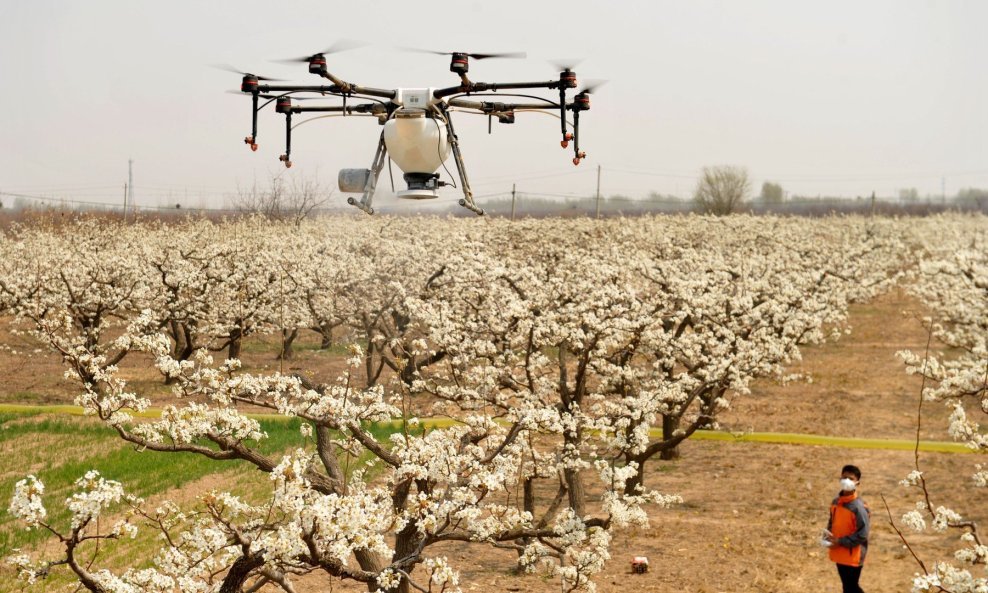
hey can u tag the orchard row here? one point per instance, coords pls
(559, 347)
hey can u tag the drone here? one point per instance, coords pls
(418, 133)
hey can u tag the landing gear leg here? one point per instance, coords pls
(578, 155)
(369, 187)
(467, 200)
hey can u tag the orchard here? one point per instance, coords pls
(506, 384)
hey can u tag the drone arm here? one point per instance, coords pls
(347, 88)
(279, 88)
(373, 108)
(372, 92)
(494, 107)
(336, 89)
(336, 81)
(480, 87)
(551, 84)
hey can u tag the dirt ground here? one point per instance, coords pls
(753, 512)
(33, 376)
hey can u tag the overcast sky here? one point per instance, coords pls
(837, 98)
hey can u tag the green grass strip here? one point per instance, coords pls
(704, 435)
(78, 411)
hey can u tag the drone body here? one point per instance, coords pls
(418, 134)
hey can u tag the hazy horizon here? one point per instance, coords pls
(839, 99)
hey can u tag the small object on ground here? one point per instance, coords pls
(639, 564)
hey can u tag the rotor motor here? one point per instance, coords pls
(317, 64)
(283, 105)
(567, 79)
(460, 63)
(248, 84)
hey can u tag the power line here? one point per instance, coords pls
(109, 206)
(814, 176)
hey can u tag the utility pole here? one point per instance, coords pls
(125, 203)
(513, 201)
(873, 202)
(130, 187)
(943, 189)
(597, 215)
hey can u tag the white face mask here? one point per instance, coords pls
(847, 485)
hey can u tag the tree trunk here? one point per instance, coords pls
(406, 542)
(631, 487)
(234, 350)
(370, 563)
(238, 573)
(287, 339)
(574, 485)
(326, 340)
(669, 426)
(178, 347)
(529, 496)
(528, 505)
(188, 330)
(178, 337)
(369, 364)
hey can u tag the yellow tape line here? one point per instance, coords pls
(703, 435)
(829, 441)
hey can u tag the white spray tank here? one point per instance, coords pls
(419, 145)
(416, 141)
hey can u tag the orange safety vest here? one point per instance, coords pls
(850, 519)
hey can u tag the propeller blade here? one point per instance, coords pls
(230, 68)
(516, 54)
(592, 85)
(566, 64)
(513, 54)
(424, 51)
(300, 59)
(343, 45)
(340, 46)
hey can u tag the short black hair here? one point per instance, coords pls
(851, 469)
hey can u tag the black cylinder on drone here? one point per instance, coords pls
(581, 102)
(567, 79)
(248, 84)
(283, 105)
(460, 63)
(317, 64)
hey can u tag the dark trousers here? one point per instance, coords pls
(849, 576)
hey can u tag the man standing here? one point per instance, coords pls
(848, 530)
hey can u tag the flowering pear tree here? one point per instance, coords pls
(180, 283)
(76, 290)
(522, 345)
(644, 332)
(385, 267)
(438, 485)
(953, 281)
(725, 312)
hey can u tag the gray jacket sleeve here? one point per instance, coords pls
(860, 536)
